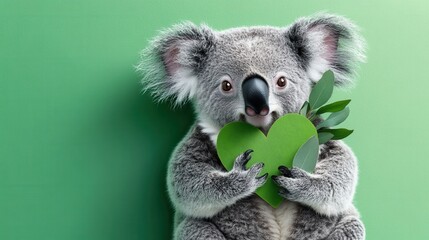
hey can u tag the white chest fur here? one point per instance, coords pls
(280, 219)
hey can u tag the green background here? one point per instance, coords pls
(83, 154)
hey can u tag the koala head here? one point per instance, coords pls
(252, 74)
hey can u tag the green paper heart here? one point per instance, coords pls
(279, 147)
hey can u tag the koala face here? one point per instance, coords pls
(244, 55)
(252, 74)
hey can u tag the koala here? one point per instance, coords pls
(255, 75)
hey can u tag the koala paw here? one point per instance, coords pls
(248, 177)
(292, 182)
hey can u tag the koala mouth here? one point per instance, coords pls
(262, 122)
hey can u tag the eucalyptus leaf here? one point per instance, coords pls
(311, 115)
(306, 156)
(304, 109)
(338, 133)
(334, 107)
(324, 137)
(335, 118)
(322, 91)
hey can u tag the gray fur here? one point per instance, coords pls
(189, 62)
(330, 188)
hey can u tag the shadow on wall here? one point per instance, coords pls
(138, 137)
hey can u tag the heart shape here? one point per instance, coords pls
(279, 147)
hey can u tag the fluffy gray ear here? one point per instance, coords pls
(327, 42)
(172, 60)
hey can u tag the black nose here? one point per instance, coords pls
(255, 94)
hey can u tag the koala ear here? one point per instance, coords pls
(327, 42)
(172, 60)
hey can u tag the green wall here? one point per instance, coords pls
(83, 154)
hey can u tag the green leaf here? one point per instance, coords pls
(324, 137)
(312, 115)
(306, 156)
(322, 91)
(338, 133)
(335, 118)
(334, 107)
(304, 109)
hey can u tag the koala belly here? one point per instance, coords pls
(253, 218)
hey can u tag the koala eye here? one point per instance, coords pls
(226, 86)
(281, 82)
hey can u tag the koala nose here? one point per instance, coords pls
(255, 94)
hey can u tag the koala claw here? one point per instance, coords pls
(262, 179)
(292, 182)
(275, 179)
(289, 187)
(265, 176)
(253, 172)
(285, 171)
(242, 160)
(249, 176)
(255, 169)
(294, 172)
(299, 173)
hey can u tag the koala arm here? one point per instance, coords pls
(330, 189)
(198, 184)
